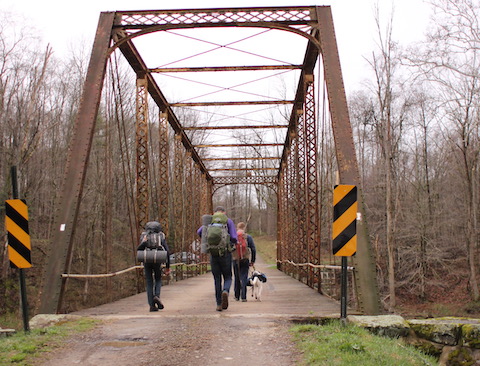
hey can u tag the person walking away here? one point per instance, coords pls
(154, 238)
(243, 258)
(220, 254)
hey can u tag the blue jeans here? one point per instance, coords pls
(240, 269)
(221, 267)
(153, 271)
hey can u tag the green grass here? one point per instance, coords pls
(266, 246)
(22, 347)
(334, 344)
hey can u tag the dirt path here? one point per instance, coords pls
(190, 332)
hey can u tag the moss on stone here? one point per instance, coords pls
(471, 335)
(460, 357)
(436, 330)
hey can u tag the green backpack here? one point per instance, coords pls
(217, 235)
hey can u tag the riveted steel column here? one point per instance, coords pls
(141, 133)
(280, 220)
(365, 266)
(296, 225)
(163, 171)
(178, 198)
(189, 208)
(311, 186)
(196, 212)
(205, 208)
(68, 203)
(302, 213)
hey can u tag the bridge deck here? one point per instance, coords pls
(282, 296)
(190, 332)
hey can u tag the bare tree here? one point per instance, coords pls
(388, 122)
(451, 62)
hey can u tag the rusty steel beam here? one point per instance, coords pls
(141, 133)
(365, 267)
(253, 179)
(280, 220)
(246, 158)
(188, 229)
(300, 15)
(236, 145)
(234, 127)
(224, 68)
(239, 169)
(293, 212)
(178, 192)
(215, 104)
(163, 171)
(60, 250)
(302, 214)
(311, 186)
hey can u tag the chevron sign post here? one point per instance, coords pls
(16, 222)
(344, 220)
(344, 233)
(19, 249)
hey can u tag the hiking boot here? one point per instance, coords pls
(153, 308)
(219, 308)
(224, 300)
(157, 301)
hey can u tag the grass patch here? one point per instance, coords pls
(266, 246)
(334, 344)
(21, 348)
(11, 321)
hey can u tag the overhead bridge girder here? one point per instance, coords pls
(296, 180)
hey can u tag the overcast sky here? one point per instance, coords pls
(63, 23)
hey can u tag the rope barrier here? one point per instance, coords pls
(324, 266)
(75, 275)
(72, 275)
(188, 265)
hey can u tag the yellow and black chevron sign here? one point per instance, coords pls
(344, 220)
(16, 222)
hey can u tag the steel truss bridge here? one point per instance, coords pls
(212, 136)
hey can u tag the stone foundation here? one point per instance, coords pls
(455, 341)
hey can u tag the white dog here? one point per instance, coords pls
(256, 281)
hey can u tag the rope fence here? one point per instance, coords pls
(321, 266)
(113, 274)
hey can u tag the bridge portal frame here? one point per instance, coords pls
(116, 31)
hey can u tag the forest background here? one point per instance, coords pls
(416, 124)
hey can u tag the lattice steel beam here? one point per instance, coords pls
(312, 209)
(217, 104)
(178, 196)
(141, 133)
(301, 15)
(225, 68)
(255, 179)
(246, 127)
(163, 171)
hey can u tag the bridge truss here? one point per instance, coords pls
(198, 152)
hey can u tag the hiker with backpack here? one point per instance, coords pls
(153, 252)
(218, 239)
(243, 257)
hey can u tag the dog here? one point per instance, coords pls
(256, 281)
